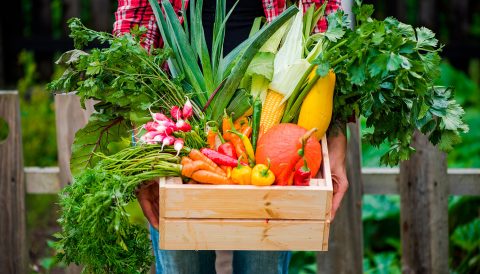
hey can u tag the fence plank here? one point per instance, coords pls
(13, 242)
(461, 181)
(346, 240)
(424, 209)
(70, 117)
(42, 180)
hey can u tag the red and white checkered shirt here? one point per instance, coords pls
(139, 12)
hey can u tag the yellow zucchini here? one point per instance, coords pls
(316, 110)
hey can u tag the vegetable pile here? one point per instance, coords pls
(252, 117)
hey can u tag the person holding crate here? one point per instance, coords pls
(131, 13)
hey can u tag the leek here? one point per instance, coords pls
(289, 65)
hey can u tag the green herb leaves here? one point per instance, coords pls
(385, 72)
(96, 231)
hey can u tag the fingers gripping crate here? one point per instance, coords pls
(240, 217)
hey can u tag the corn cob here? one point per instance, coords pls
(272, 110)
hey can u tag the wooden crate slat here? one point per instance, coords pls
(228, 234)
(225, 201)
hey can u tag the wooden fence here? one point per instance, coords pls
(424, 184)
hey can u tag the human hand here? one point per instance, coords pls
(337, 148)
(147, 195)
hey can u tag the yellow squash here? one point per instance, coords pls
(316, 110)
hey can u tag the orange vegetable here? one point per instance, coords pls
(196, 155)
(280, 144)
(211, 136)
(185, 160)
(190, 168)
(246, 130)
(241, 122)
(209, 177)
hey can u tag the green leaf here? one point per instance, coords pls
(94, 138)
(70, 57)
(394, 62)
(262, 64)
(447, 140)
(425, 38)
(468, 236)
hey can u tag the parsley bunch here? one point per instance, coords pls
(96, 231)
(386, 72)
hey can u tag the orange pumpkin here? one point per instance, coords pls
(280, 144)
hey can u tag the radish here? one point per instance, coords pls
(150, 126)
(158, 117)
(159, 138)
(167, 127)
(151, 134)
(187, 110)
(183, 126)
(178, 145)
(168, 141)
(176, 113)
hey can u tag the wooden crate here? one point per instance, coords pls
(234, 217)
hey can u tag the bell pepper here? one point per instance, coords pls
(227, 149)
(241, 174)
(262, 175)
(302, 175)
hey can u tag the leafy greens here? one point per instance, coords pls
(385, 72)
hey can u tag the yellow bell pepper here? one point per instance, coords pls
(262, 175)
(242, 175)
(316, 110)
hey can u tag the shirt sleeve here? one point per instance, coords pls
(332, 5)
(132, 13)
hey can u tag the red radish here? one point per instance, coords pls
(178, 145)
(168, 141)
(159, 138)
(183, 126)
(158, 117)
(166, 127)
(176, 113)
(187, 110)
(150, 126)
(151, 134)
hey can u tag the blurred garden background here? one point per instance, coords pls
(34, 33)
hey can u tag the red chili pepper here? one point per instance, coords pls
(219, 158)
(227, 149)
(302, 175)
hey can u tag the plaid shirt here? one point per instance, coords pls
(138, 12)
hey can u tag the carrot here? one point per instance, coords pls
(185, 160)
(209, 177)
(190, 168)
(196, 155)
